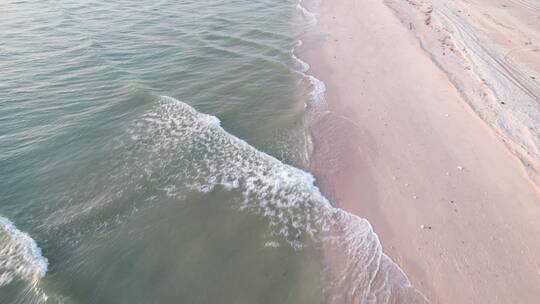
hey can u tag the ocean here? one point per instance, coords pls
(158, 152)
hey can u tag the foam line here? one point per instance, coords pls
(20, 256)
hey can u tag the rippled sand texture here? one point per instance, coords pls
(491, 51)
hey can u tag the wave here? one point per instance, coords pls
(173, 150)
(205, 157)
(20, 256)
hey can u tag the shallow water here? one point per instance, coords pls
(113, 193)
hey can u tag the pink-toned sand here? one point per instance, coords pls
(400, 147)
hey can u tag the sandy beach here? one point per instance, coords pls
(405, 146)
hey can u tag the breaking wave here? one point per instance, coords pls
(204, 157)
(20, 257)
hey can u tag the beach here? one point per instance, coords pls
(348, 151)
(451, 196)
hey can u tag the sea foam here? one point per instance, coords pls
(20, 256)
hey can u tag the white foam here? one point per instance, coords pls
(20, 257)
(311, 17)
(318, 88)
(304, 66)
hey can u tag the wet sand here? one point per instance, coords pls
(400, 146)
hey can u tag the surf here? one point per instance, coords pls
(208, 157)
(20, 256)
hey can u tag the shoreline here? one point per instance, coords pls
(443, 193)
(350, 279)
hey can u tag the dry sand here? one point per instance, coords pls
(490, 50)
(401, 147)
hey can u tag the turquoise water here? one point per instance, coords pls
(111, 192)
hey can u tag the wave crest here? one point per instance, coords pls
(20, 256)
